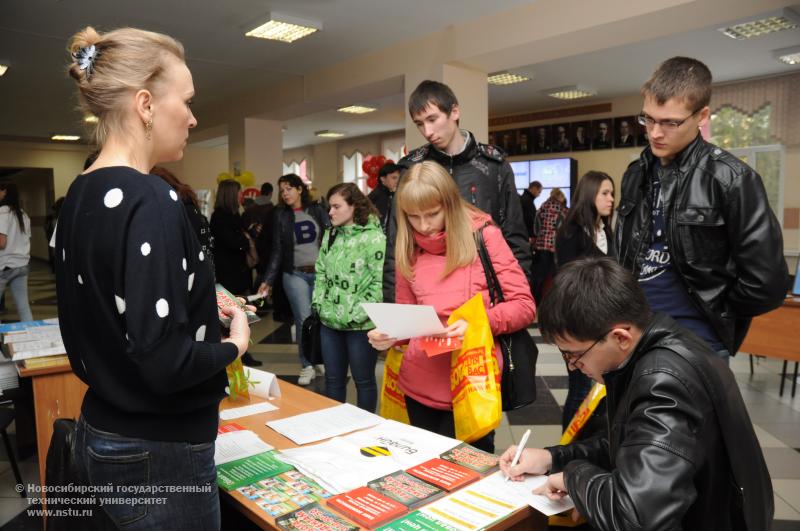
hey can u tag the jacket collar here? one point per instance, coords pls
(467, 154)
(658, 333)
(683, 161)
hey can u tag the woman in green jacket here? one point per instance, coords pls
(349, 272)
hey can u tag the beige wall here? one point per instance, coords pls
(66, 161)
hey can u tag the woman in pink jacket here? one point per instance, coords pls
(437, 264)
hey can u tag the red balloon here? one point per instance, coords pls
(372, 182)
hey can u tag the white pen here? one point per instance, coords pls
(521, 447)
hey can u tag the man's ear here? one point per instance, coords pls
(455, 112)
(143, 100)
(624, 339)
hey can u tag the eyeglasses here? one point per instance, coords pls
(666, 125)
(571, 358)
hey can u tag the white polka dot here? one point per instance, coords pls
(201, 333)
(191, 281)
(120, 304)
(126, 337)
(80, 280)
(173, 195)
(201, 256)
(162, 308)
(658, 233)
(145, 249)
(63, 254)
(113, 198)
(183, 264)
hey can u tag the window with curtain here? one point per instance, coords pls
(352, 172)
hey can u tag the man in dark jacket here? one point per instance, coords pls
(382, 195)
(526, 200)
(680, 451)
(481, 171)
(694, 223)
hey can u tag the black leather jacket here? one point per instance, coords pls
(486, 180)
(281, 257)
(682, 452)
(725, 241)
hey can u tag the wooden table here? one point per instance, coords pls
(776, 334)
(294, 401)
(57, 393)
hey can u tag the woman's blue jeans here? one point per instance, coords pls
(149, 485)
(341, 348)
(299, 287)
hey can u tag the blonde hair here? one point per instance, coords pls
(425, 186)
(126, 60)
(558, 195)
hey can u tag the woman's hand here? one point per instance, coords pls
(264, 289)
(240, 330)
(456, 329)
(379, 340)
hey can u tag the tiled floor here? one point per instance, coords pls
(776, 419)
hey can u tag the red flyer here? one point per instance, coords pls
(366, 507)
(434, 346)
(226, 428)
(444, 474)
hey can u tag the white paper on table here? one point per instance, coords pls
(523, 489)
(267, 386)
(324, 423)
(246, 411)
(239, 444)
(404, 321)
(339, 465)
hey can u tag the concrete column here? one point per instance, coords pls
(472, 93)
(255, 145)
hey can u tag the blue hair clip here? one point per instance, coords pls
(85, 58)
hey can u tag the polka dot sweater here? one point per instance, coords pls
(137, 309)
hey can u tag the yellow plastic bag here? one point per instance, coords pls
(393, 400)
(474, 375)
(586, 409)
(237, 380)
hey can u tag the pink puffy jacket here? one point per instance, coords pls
(427, 380)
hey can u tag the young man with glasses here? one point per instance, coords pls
(680, 451)
(694, 222)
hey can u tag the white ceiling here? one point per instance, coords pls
(39, 97)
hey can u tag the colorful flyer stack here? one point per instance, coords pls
(444, 474)
(366, 507)
(284, 493)
(470, 457)
(406, 489)
(417, 521)
(250, 470)
(313, 518)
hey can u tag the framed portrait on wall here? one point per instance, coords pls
(542, 139)
(581, 135)
(523, 143)
(641, 135)
(506, 140)
(562, 138)
(602, 134)
(492, 141)
(624, 132)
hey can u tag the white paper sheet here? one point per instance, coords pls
(404, 321)
(267, 386)
(246, 411)
(524, 489)
(324, 423)
(344, 463)
(238, 445)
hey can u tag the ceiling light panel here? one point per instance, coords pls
(573, 92)
(789, 56)
(506, 78)
(327, 133)
(757, 28)
(65, 138)
(357, 109)
(3, 69)
(284, 28)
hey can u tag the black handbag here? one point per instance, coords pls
(312, 344)
(518, 382)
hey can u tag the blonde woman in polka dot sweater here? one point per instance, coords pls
(136, 301)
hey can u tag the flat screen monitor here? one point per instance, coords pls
(796, 288)
(522, 174)
(552, 173)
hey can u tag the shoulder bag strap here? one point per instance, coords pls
(495, 291)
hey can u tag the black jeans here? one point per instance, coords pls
(442, 422)
(544, 265)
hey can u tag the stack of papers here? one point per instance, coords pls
(324, 423)
(238, 444)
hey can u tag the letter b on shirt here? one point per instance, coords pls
(305, 232)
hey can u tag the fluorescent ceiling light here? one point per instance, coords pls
(357, 109)
(790, 56)
(506, 78)
(327, 133)
(572, 92)
(65, 138)
(3, 69)
(90, 119)
(284, 28)
(786, 19)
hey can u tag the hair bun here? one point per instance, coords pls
(83, 52)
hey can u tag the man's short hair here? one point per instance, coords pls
(681, 78)
(389, 167)
(535, 184)
(588, 297)
(266, 189)
(433, 92)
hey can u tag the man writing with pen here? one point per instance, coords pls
(680, 451)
